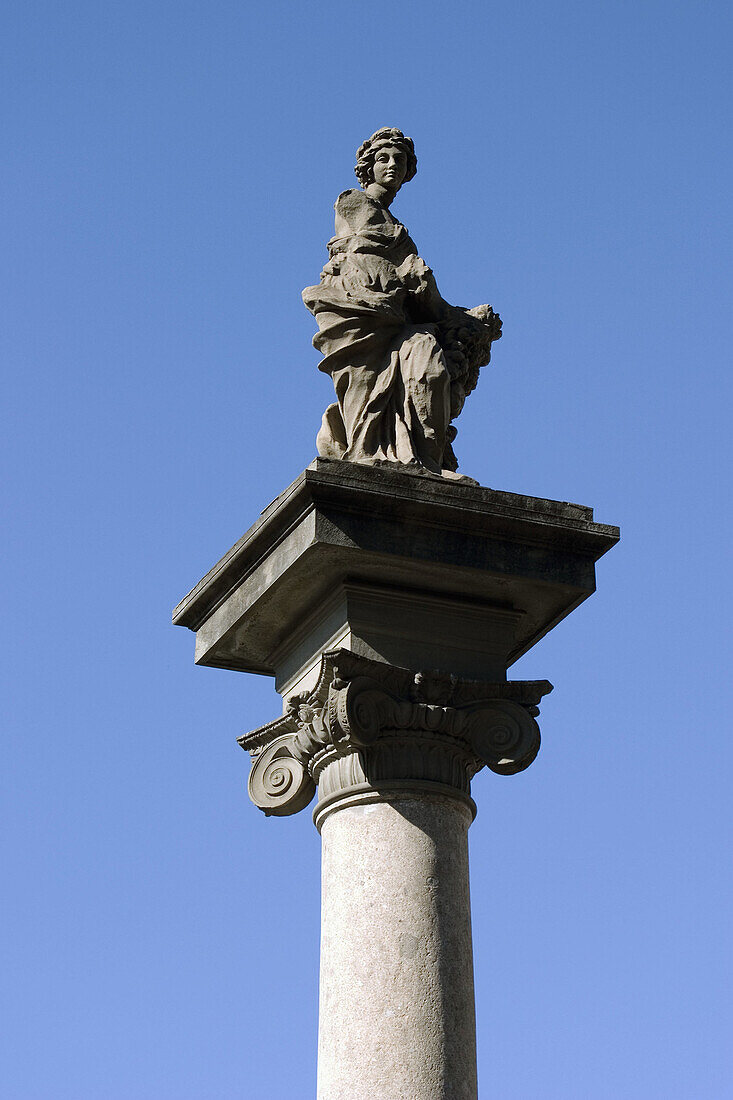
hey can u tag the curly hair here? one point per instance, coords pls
(367, 151)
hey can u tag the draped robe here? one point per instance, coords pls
(375, 308)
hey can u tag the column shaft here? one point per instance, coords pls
(397, 1017)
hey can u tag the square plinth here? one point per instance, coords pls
(413, 570)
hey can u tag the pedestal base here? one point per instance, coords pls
(418, 572)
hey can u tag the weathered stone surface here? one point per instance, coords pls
(411, 570)
(396, 1019)
(401, 358)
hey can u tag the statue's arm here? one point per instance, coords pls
(428, 303)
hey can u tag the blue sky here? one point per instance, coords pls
(170, 175)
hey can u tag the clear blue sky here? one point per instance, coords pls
(168, 188)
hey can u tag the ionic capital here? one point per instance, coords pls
(368, 730)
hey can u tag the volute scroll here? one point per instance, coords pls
(278, 784)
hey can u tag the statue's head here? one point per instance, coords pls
(383, 141)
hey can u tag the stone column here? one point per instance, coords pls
(350, 583)
(396, 1000)
(392, 753)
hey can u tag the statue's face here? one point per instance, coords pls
(390, 167)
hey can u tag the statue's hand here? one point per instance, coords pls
(415, 274)
(420, 282)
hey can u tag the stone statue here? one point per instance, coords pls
(401, 358)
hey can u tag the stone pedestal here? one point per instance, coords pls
(388, 607)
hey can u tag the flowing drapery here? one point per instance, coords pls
(379, 343)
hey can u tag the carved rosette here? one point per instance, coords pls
(369, 731)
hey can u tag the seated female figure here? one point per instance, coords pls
(400, 357)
